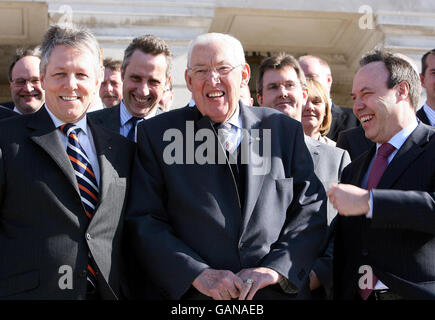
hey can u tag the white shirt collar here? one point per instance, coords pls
(125, 115)
(430, 113)
(400, 137)
(82, 124)
(16, 110)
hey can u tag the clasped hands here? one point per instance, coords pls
(225, 285)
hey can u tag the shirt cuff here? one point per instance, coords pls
(369, 215)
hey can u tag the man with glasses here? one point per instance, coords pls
(220, 228)
(145, 75)
(26, 91)
(281, 85)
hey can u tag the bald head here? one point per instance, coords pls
(317, 69)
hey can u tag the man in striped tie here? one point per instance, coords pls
(63, 182)
(385, 230)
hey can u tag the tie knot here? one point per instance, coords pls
(69, 128)
(385, 150)
(135, 120)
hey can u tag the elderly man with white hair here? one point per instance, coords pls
(224, 200)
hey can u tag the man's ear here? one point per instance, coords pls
(246, 75)
(188, 80)
(422, 80)
(259, 99)
(403, 90)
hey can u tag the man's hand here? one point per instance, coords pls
(218, 284)
(255, 279)
(349, 200)
(314, 281)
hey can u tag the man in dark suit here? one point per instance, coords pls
(385, 238)
(318, 69)
(145, 75)
(26, 91)
(427, 77)
(281, 85)
(62, 195)
(239, 214)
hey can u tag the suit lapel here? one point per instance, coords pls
(313, 146)
(421, 115)
(47, 137)
(104, 149)
(409, 151)
(254, 179)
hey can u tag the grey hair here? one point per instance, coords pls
(207, 38)
(71, 36)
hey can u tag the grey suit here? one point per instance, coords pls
(329, 163)
(44, 228)
(191, 218)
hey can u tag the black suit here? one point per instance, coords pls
(422, 116)
(7, 113)
(184, 218)
(354, 141)
(342, 119)
(42, 219)
(9, 105)
(399, 241)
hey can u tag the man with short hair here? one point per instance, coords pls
(145, 73)
(427, 77)
(63, 184)
(236, 212)
(165, 103)
(26, 91)
(111, 87)
(318, 69)
(281, 85)
(385, 230)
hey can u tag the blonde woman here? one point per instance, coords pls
(316, 114)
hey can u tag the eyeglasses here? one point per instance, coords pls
(202, 72)
(20, 82)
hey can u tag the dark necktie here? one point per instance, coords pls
(131, 134)
(378, 168)
(86, 181)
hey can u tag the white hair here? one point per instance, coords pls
(206, 38)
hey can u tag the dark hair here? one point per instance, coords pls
(148, 44)
(21, 53)
(278, 62)
(424, 61)
(112, 64)
(399, 70)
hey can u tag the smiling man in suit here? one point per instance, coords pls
(385, 230)
(281, 85)
(63, 182)
(231, 228)
(427, 77)
(145, 73)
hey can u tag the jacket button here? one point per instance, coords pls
(365, 252)
(83, 273)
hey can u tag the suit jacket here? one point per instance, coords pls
(329, 163)
(399, 241)
(354, 141)
(183, 218)
(110, 118)
(7, 113)
(43, 222)
(342, 119)
(422, 116)
(9, 105)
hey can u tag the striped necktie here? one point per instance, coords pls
(86, 181)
